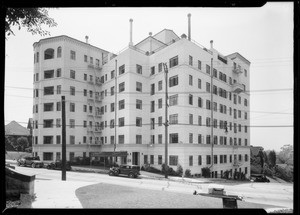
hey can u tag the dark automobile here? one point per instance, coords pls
(259, 178)
(131, 170)
(30, 161)
(58, 165)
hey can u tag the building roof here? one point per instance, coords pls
(14, 128)
(255, 150)
(29, 125)
(236, 54)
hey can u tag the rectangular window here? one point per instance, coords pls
(208, 104)
(173, 160)
(151, 159)
(207, 69)
(199, 120)
(48, 139)
(208, 159)
(49, 74)
(138, 121)
(72, 107)
(72, 140)
(122, 104)
(112, 107)
(190, 138)
(215, 159)
(152, 106)
(145, 159)
(152, 70)
(121, 87)
(207, 87)
(85, 58)
(72, 91)
(190, 99)
(173, 100)
(190, 60)
(122, 69)
(173, 118)
(159, 103)
(138, 139)
(191, 119)
(191, 80)
(159, 67)
(112, 123)
(174, 138)
(208, 141)
(139, 104)
(160, 139)
(199, 138)
(160, 121)
(190, 160)
(160, 85)
(121, 121)
(112, 139)
(159, 159)
(37, 77)
(58, 123)
(112, 74)
(73, 55)
(121, 139)
(139, 86)
(173, 81)
(152, 89)
(139, 69)
(48, 90)
(58, 106)
(199, 64)
(47, 156)
(72, 74)
(152, 137)
(152, 121)
(48, 123)
(199, 102)
(48, 107)
(57, 139)
(199, 83)
(173, 62)
(72, 123)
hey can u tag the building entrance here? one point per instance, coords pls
(136, 158)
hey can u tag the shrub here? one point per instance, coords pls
(187, 173)
(179, 170)
(205, 172)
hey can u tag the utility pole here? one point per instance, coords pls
(212, 117)
(115, 142)
(166, 122)
(63, 145)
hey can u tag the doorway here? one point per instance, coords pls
(135, 158)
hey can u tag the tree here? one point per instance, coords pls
(266, 160)
(30, 18)
(22, 143)
(272, 158)
(286, 154)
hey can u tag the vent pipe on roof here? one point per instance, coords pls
(189, 26)
(211, 44)
(130, 43)
(87, 39)
(150, 35)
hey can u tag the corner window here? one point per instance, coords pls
(173, 62)
(49, 54)
(59, 52)
(73, 55)
(173, 81)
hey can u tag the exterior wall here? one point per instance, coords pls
(131, 58)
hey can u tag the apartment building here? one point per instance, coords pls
(117, 102)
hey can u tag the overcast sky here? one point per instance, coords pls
(263, 35)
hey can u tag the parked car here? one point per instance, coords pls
(30, 161)
(259, 178)
(58, 165)
(131, 170)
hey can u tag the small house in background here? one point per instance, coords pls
(14, 130)
(254, 150)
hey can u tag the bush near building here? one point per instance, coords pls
(187, 173)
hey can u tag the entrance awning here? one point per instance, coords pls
(109, 154)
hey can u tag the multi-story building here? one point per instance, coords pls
(117, 102)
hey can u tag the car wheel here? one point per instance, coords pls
(18, 164)
(110, 173)
(48, 167)
(131, 175)
(33, 165)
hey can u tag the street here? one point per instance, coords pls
(111, 188)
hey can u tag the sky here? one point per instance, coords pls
(262, 35)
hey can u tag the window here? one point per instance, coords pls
(208, 104)
(97, 62)
(138, 139)
(112, 139)
(37, 77)
(72, 123)
(215, 140)
(159, 103)
(152, 70)
(121, 87)
(199, 120)
(159, 67)
(199, 138)
(151, 159)
(72, 91)
(58, 123)
(173, 160)
(121, 121)
(160, 121)
(173, 118)
(58, 106)
(199, 83)
(112, 107)
(139, 86)
(191, 80)
(191, 119)
(199, 160)
(159, 85)
(73, 55)
(246, 128)
(152, 106)
(139, 122)
(57, 139)
(37, 57)
(58, 89)
(85, 58)
(173, 100)
(215, 106)
(49, 74)
(49, 54)
(221, 158)
(145, 159)
(207, 87)
(48, 107)
(173, 81)
(152, 137)
(159, 159)
(199, 102)
(112, 123)
(207, 122)
(152, 121)
(190, 160)
(215, 159)
(72, 74)
(72, 107)
(173, 62)
(112, 74)
(190, 99)
(48, 139)
(245, 102)
(72, 140)
(245, 72)
(208, 159)
(199, 64)
(121, 104)
(48, 90)
(139, 69)
(246, 157)
(121, 139)
(139, 104)
(160, 139)
(48, 123)
(84, 124)
(91, 60)
(121, 69)
(190, 138)
(246, 142)
(152, 92)
(190, 60)
(174, 138)
(47, 156)
(207, 69)
(215, 90)
(215, 73)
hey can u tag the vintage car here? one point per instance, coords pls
(30, 161)
(259, 178)
(132, 171)
(58, 165)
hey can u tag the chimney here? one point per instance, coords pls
(150, 35)
(189, 26)
(130, 43)
(87, 39)
(211, 44)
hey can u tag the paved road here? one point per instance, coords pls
(280, 195)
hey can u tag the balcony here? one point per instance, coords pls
(98, 82)
(237, 70)
(237, 87)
